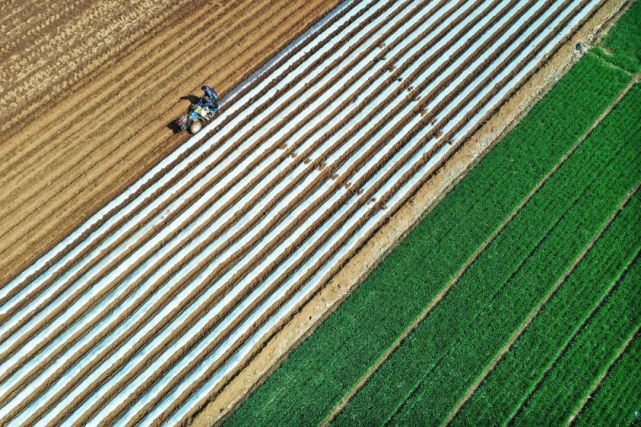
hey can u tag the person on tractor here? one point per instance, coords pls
(203, 110)
(210, 99)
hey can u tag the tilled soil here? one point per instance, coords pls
(88, 92)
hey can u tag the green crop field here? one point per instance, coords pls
(517, 299)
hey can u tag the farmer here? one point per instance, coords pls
(210, 98)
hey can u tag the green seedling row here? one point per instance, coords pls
(556, 397)
(317, 375)
(477, 345)
(508, 383)
(617, 400)
(467, 301)
(622, 45)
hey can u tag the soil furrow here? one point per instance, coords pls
(173, 164)
(55, 156)
(189, 202)
(151, 215)
(109, 168)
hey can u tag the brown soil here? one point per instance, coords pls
(111, 75)
(260, 364)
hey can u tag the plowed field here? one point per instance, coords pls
(87, 90)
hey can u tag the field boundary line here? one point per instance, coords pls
(566, 348)
(604, 371)
(397, 226)
(454, 281)
(583, 404)
(534, 313)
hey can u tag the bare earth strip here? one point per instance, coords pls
(111, 126)
(303, 323)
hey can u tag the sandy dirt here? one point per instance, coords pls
(261, 363)
(88, 90)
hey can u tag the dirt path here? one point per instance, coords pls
(112, 78)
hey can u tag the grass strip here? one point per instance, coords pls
(592, 351)
(594, 278)
(323, 369)
(617, 400)
(622, 45)
(529, 256)
(478, 345)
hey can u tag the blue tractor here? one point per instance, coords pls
(202, 111)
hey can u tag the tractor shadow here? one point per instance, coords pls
(193, 99)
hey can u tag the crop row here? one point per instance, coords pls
(616, 400)
(367, 344)
(365, 199)
(187, 185)
(482, 341)
(585, 289)
(573, 373)
(487, 282)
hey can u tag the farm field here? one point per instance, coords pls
(87, 90)
(514, 300)
(175, 260)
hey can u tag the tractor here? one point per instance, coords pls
(202, 111)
